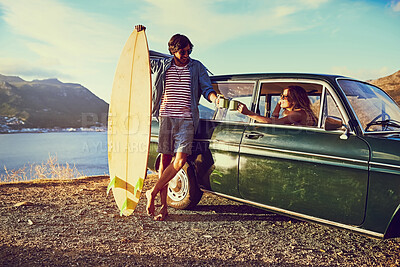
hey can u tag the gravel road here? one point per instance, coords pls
(74, 222)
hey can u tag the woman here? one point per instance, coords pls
(297, 109)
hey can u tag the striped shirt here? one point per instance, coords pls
(176, 99)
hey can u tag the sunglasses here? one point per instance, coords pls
(284, 97)
(183, 52)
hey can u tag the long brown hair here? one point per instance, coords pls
(299, 97)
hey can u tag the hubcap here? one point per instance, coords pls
(178, 187)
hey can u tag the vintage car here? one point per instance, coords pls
(343, 172)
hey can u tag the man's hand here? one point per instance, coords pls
(140, 28)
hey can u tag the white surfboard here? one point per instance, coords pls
(129, 123)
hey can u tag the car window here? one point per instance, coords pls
(270, 95)
(330, 109)
(375, 110)
(239, 91)
(263, 107)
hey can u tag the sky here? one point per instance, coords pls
(80, 41)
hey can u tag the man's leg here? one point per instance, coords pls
(166, 176)
(164, 162)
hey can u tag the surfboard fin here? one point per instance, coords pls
(139, 185)
(124, 206)
(111, 184)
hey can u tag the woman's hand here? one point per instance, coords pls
(242, 108)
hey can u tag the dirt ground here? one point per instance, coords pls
(74, 223)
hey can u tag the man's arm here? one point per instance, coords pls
(206, 86)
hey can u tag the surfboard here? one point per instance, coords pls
(129, 123)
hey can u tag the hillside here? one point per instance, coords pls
(391, 84)
(50, 103)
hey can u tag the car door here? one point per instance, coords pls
(305, 171)
(226, 136)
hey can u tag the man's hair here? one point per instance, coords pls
(177, 42)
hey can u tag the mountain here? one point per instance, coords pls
(391, 84)
(10, 78)
(50, 103)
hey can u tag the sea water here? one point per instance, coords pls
(87, 151)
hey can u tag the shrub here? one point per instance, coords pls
(50, 169)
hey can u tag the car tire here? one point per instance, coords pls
(183, 190)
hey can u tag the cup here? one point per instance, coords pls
(233, 105)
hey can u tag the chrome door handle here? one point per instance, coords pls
(254, 135)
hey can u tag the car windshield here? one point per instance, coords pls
(375, 110)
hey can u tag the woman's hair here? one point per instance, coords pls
(299, 97)
(177, 42)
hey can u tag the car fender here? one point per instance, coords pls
(393, 229)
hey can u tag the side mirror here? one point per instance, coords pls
(334, 123)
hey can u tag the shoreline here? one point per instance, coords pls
(53, 130)
(56, 180)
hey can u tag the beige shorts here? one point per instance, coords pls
(175, 135)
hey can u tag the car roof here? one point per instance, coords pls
(260, 76)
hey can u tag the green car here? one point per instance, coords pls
(344, 171)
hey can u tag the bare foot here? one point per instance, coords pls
(161, 217)
(150, 203)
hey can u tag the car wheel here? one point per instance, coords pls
(183, 190)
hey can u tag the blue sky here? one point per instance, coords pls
(80, 40)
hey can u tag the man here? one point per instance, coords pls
(179, 83)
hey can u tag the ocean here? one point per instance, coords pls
(87, 151)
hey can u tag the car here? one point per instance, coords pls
(343, 172)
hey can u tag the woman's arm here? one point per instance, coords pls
(242, 108)
(292, 116)
(277, 110)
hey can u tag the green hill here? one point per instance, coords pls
(50, 103)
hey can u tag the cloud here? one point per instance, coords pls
(314, 3)
(56, 40)
(362, 74)
(29, 69)
(62, 35)
(395, 5)
(54, 25)
(207, 20)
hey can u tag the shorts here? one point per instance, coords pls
(175, 135)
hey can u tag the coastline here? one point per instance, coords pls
(52, 130)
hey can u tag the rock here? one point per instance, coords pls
(82, 212)
(30, 222)
(24, 203)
